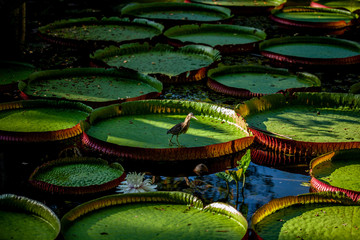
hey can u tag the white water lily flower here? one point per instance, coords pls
(135, 183)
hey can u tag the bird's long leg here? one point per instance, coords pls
(170, 142)
(177, 139)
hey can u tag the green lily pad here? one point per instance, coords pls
(319, 18)
(165, 62)
(351, 5)
(318, 51)
(78, 175)
(250, 81)
(225, 38)
(41, 120)
(242, 3)
(307, 123)
(159, 215)
(92, 86)
(308, 216)
(139, 130)
(337, 171)
(21, 216)
(91, 31)
(13, 72)
(177, 11)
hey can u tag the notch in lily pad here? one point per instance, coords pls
(170, 215)
(162, 61)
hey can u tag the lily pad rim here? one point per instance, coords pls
(37, 208)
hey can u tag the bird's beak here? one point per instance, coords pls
(194, 117)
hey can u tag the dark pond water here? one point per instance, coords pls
(263, 181)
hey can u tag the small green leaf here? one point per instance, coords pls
(224, 176)
(245, 161)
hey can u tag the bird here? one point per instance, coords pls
(180, 128)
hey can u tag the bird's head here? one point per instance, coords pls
(191, 115)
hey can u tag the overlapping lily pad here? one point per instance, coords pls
(137, 130)
(21, 217)
(93, 33)
(173, 13)
(311, 51)
(351, 5)
(305, 123)
(315, 18)
(13, 72)
(337, 171)
(166, 63)
(308, 216)
(255, 81)
(225, 38)
(92, 86)
(41, 120)
(159, 215)
(77, 175)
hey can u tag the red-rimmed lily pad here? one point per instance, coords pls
(77, 175)
(13, 72)
(92, 86)
(22, 217)
(351, 5)
(280, 160)
(164, 62)
(337, 171)
(305, 123)
(308, 216)
(41, 120)
(159, 215)
(245, 6)
(173, 13)
(93, 33)
(138, 130)
(225, 38)
(311, 51)
(255, 81)
(314, 18)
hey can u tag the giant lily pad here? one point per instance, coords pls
(13, 72)
(337, 171)
(92, 86)
(173, 13)
(308, 51)
(351, 5)
(306, 123)
(244, 6)
(91, 32)
(308, 216)
(137, 130)
(225, 38)
(159, 215)
(166, 63)
(314, 18)
(41, 120)
(22, 217)
(254, 81)
(78, 175)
